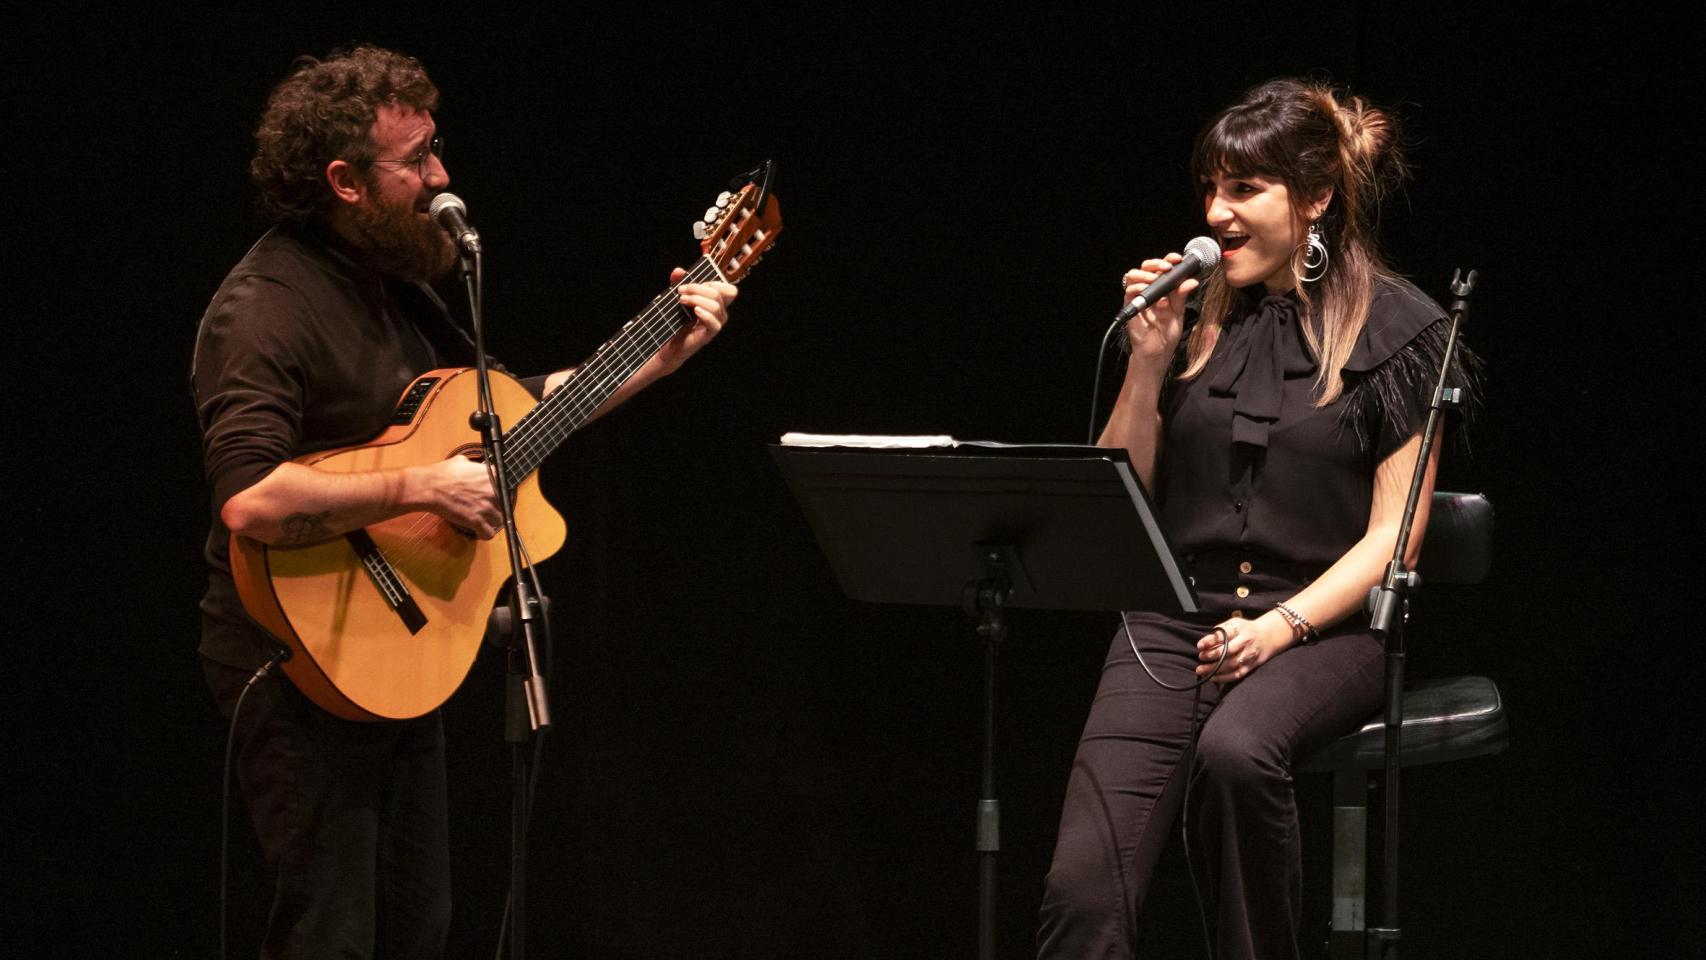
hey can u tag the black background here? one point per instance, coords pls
(747, 763)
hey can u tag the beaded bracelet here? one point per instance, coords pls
(1302, 630)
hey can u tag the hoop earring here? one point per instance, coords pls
(1315, 257)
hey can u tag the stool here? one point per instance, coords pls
(1443, 720)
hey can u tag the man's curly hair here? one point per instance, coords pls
(324, 111)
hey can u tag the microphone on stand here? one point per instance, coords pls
(452, 214)
(1202, 255)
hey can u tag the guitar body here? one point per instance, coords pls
(384, 622)
(355, 653)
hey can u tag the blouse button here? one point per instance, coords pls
(1244, 567)
(1242, 592)
(1237, 614)
(1238, 506)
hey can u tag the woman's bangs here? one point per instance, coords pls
(1236, 147)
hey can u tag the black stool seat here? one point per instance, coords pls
(1446, 719)
(1443, 720)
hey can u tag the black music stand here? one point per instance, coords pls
(985, 526)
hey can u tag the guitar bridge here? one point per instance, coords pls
(384, 576)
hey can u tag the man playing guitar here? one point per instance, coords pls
(306, 347)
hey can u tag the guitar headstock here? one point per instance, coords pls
(738, 228)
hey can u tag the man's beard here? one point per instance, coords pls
(394, 240)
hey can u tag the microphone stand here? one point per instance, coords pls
(1389, 610)
(524, 689)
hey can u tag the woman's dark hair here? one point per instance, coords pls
(1314, 139)
(324, 111)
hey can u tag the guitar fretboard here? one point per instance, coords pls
(568, 408)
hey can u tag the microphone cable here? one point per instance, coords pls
(1208, 253)
(1196, 688)
(1189, 755)
(279, 656)
(1096, 385)
(1197, 721)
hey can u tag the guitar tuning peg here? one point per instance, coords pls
(724, 198)
(700, 231)
(712, 214)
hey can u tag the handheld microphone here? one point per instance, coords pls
(452, 214)
(1202, 255)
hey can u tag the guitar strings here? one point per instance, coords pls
(533, 437)
(603, 374)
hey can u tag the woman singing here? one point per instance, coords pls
(1279, 442)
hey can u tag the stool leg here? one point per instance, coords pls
(1350, 865)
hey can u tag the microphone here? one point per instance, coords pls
(452, 214)
(1202, 255)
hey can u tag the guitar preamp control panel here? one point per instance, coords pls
(411, 402)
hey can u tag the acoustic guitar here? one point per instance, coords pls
(384, 622)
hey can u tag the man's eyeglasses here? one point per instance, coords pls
(419, 160)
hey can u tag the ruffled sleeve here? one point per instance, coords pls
(1390, 376)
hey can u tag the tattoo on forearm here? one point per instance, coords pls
(302, 528)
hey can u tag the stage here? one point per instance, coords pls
(747, 763)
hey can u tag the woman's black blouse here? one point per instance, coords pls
(1250, 467)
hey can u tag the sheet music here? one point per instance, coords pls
(877, 441)
(868, 440)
